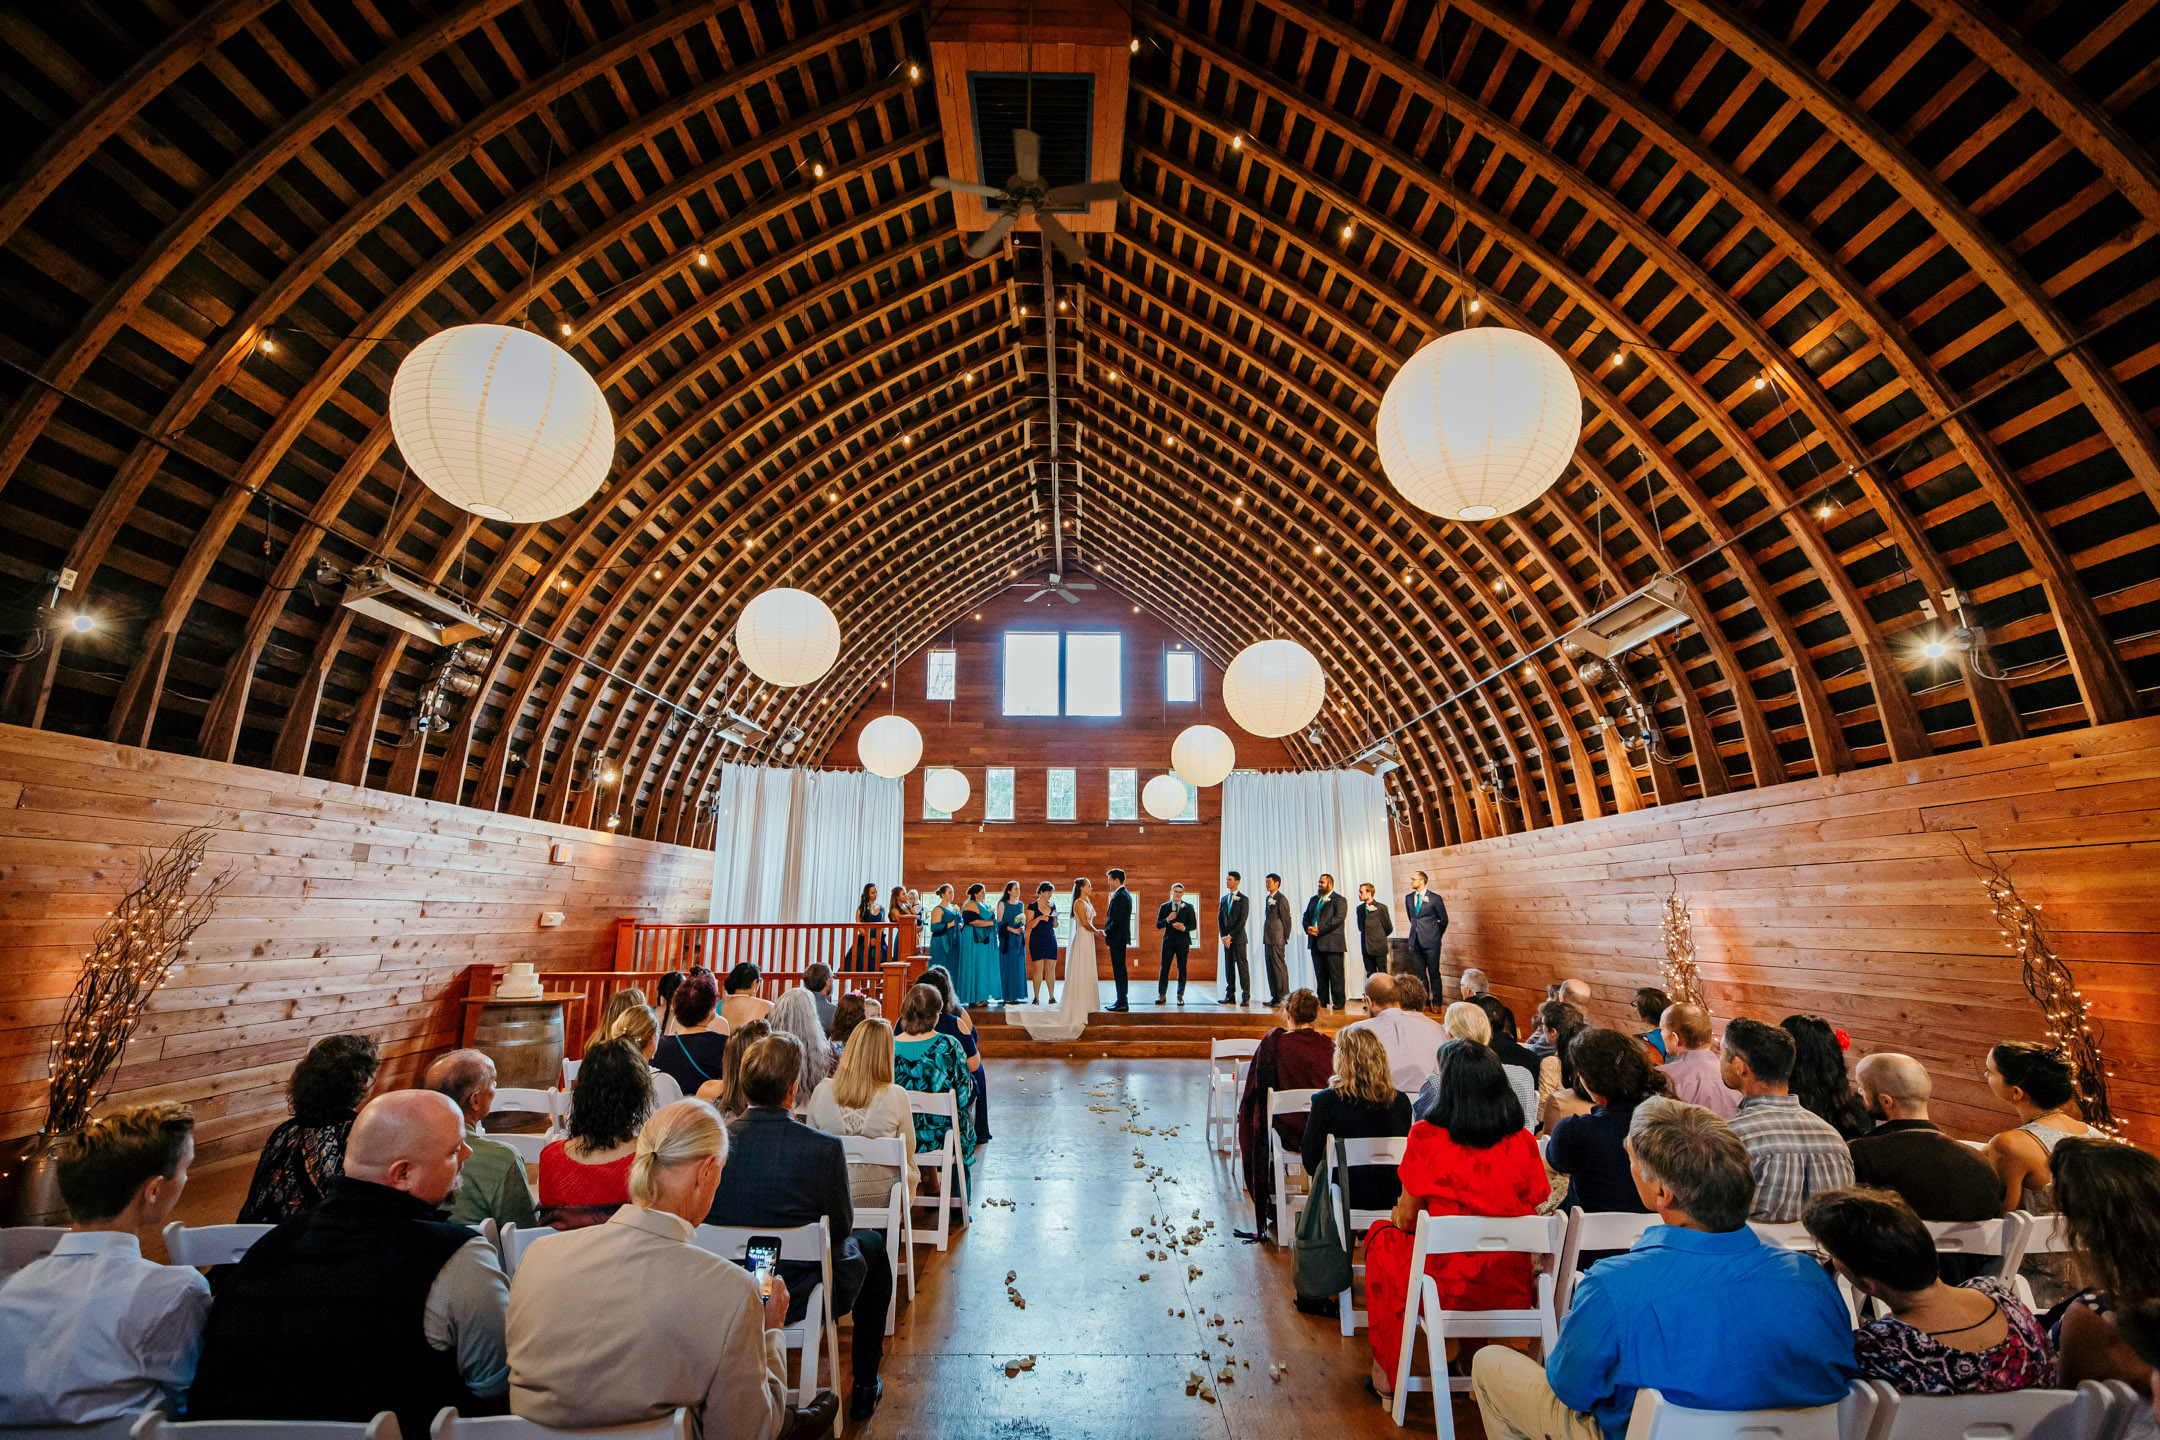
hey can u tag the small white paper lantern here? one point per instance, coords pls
(787, 637)
(1202, 755)
(501, 422)
(1479, 423)
(1274, 687)
(946, 790)
(1164, 796)
(889, 746)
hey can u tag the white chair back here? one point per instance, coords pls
(210, 1244)
(2080, 1414)
(527, 1145)
(569, 1072)
(22, 1244)
(1352, 1224)
(116, 1428)
(2125, 1408)
(1970, 1237)
(1537, 1236)
(895, 1217)
(2042, 1234)
(514, 1242)
(810, 1243)
(512, 1099)
(156, 1425)
(1786, 1235)
(946, 1160)
(1227, 1060)
(1281, 1161)
(1657, 1418)
(1589, 1232)
(449, 1425)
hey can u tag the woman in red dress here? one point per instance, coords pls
(1470, 1155)
(585, 1177)
(1296, 1058)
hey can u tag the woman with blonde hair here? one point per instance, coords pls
(1360, 1103)
(635, 1024)
(861, 1099)
(617, 1002)
(730, 1098)
(796, 1014)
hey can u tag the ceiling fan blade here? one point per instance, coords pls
(1061, 237)
(1068, 597)
(1069, 195)
(1027, 155)
(990, 239)
(1079, 584)
(963, 187)
(1036, 596)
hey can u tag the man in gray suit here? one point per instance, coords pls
(1275, 925)
(1427, 914)
(1231, 912)
(1326, 915)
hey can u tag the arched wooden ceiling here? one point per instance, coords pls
(1852, 254)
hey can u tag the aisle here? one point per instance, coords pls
(1085, 1152)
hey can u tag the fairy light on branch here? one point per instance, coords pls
(1683, 982)
(2049, 981)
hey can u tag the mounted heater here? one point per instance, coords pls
(1382, 756)
(1658, 607)
(379, 593)
(741, 730)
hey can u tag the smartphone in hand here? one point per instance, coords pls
(762, 1256)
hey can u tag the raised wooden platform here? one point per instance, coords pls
(1146, 1032)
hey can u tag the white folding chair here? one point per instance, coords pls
(569, 1073)
(449, 1425)
(2040, 1234)
(2126, 1407)
(1352, 1224)
(116, 1428)
(1589, 1231)
(1280, 1161)
(1997, 1238)
(1656, 1418)
(209, 1244)
(22, 1244)
(946, 1160)
(1227, 1060)
(801, 1242)
(894, 1217)
(512, 1099)
(527, 1145)
(157, 1425)
(1537, 1236)
(513, 1243)
(2081, 1414)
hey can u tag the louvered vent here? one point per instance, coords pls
(1064, 118)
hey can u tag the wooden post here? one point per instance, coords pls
(625, 942)
(899, 975)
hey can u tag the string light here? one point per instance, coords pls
(1135, 44)
(1237, 142)
(2049, 981)
(703, 258)
(914, 72)
(1683, 982)
(566, 329)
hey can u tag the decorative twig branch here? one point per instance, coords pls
(1683, 982)
(2049, 981)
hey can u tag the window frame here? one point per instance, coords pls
(1192, 660)
(1062, 700)
(1049, 794)
(952, 676)
(988, 789)
(1133, 775)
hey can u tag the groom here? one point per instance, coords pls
(1179, 922)
(1117, 931)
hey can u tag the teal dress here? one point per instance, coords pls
(1012, 950)
(976, 981)
(945, 941)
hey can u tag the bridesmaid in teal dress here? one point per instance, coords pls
(945, 922)
(1012, 945)
(977, 977)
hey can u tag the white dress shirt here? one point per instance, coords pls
(1412, 1042)
(464, 1313)
(93, 1332)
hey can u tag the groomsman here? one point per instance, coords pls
(1117, 929)
(1374, 925)
(1179, 922)
(1275, 932)
(1428, 923)
(1326, 915)
(1231, 912)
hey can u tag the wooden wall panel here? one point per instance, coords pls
(973, 733)
(1853, 898)
(351, 909)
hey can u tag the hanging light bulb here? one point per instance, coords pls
(1237, 142)
(566, 328)
(817, 168)
(1761, 381)
(1135, 44)
(703, 258)
(914, 72)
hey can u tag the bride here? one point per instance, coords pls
(1083, 994)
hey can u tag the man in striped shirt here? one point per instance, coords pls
(1794, 1152)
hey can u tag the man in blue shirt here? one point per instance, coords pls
(1700, 1310)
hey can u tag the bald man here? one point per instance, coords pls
(366, 1302)
(1940, 1178)
(493, 1185)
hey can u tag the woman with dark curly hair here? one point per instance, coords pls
(303, 1155)
(2109, 1194)
(585, 1177)
(1819, 1081)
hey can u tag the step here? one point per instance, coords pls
(1085, 1049)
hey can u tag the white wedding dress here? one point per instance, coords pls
(1083, 993)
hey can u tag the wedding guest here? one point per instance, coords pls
(1359, 1103)
(621, 1323)
(1969, 1339)
(1292, 1056)
(93, 1331)
(306, 1153)
(1012, 946)
(1470, 1156)
(1692, 1065)
(1465, 1021)
(2109, 1193)
(695, 1055)
(1558, 1094)
(664, 999)
(930, 1063)
(852, 1010)
(1504, 1042)
(634, 1025)
(1411, 1040)
(1591, 1149)
(1410, 994)
(954, 1020)
(861, 1099)
(1819, 1081)
(492, 1185)
(1940, 1178)
(1794, 1152)
(728, 1098)
(1651, 1004)
(796, 1014)
(818, 981)
(742, 1004)
(585, 1176)
(628, 997)
(1474, 984)
(2040, 1084)
(367, 1302)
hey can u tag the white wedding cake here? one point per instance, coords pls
(520, 984)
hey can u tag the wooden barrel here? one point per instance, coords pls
(525, 1040)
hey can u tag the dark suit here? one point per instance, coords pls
(1374, 925)
(1428, 923)
(1117, 925)
(1231, 913)
(1276, 928)
(781, 1173)
(1328, 916)
(1176, 944)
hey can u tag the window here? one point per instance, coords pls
(1094, 682)
(944, 667)
(1192, 802)
(1182, 680)
(1124, 795)
(1061, 795)
(1031, 672)
(997, 794)
(929, 811)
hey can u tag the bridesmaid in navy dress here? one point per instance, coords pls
(1042, 942)
(1012, 945)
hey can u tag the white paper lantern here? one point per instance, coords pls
(501, 422)
(1202, 755)
(946, 790)
(1479, 423)
(787, 637)
(1164, 797)
(889, 746)
(1274, 687)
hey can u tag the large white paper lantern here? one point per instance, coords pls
(889, 746)
(1202, 755)
(787, 637)
(1479, 423)
(501, 422)
(1164, 797)
(946, 790)
(1274, 687)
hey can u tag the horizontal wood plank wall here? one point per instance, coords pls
(973, 732)
(350, 910)
(1852, 898)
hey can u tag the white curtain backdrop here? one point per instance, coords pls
(1301, 826)
(797, 846)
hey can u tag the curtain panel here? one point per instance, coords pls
(797, 846)
(1301, 826)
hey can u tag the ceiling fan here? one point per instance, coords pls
(1055, 585)
(1025, 194)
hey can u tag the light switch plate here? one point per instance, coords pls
(549, 919)
(559, 853)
